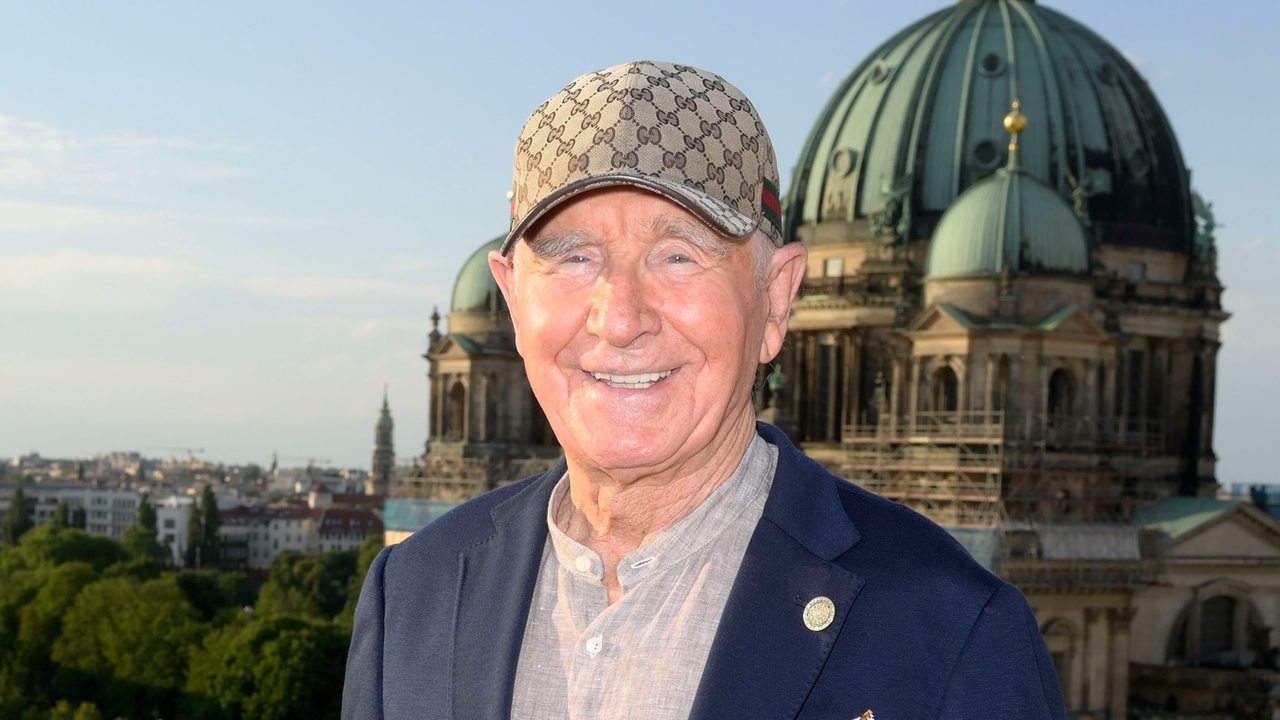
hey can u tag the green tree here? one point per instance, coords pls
(17, 521)
(17, 587)
(61, 514)
(268, 668)
(203, 544)
(215, 594)
(195, 538)
(84, 711)
(140, 537)
(127, 643)
(49, 545)
(369, 550)
(314, 585)
(78, 517)
(31, 574)
(40, 624)
(210, 523)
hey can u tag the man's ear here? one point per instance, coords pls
(503, 269)
(782, 281)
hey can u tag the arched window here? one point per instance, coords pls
(1061, 639)
(1222, 630)
(457, 410)
(945, 390)
(1217, 625)
(1061, 396)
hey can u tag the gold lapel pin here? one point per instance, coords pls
(819, 613)
(868, 715)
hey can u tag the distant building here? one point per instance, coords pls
(485, 428)
(108, 511)
(173, 515)
(384, 454)
(1011, 323)
(255, 535)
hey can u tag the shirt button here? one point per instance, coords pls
(583, 563)
(594, 644)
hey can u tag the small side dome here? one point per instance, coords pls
(475, 290)
(1008, 220)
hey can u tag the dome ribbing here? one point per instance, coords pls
(918, 122)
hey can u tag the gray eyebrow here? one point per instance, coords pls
(691, 231)
(550, 245)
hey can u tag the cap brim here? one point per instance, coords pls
(713, 213)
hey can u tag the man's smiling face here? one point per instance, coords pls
(641, 329)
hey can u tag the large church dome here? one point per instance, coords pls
(918, 122)
(475, 290)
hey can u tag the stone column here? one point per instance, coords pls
(1119, 620)
(895, 392)
(1097, 660)
(913, 393)
(853, 391)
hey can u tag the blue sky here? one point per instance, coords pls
(225, 225)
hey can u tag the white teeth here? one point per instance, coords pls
(638, 380)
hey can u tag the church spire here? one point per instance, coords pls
(384, 456)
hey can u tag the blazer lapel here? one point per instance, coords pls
(766, 656)
(495, 587)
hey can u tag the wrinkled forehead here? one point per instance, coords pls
(592, 216)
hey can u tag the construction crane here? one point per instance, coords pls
(190, 451)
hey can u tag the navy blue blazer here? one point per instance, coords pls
(920, 631)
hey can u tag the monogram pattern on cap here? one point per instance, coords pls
(674, 129)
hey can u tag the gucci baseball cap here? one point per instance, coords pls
(683, 133)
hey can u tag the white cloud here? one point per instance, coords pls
(73, 279)
(337, 288)
(35, 157)
(360, 328)
(17, 216)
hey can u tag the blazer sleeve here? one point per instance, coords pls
(1005, 670)
(362, 690)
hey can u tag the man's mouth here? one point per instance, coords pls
(637, 381)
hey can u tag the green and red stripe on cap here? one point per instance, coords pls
(771, 206)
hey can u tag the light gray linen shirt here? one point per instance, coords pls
(643, 656)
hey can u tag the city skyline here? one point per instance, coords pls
(225, 228)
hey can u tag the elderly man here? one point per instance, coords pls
(683, 560)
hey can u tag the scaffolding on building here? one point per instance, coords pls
(1012, 490)
(947, 466)
(979, 468)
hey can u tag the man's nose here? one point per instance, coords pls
(622, 308)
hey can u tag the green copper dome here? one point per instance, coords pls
(918, 122)
(1008, 221)
(475, 289)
